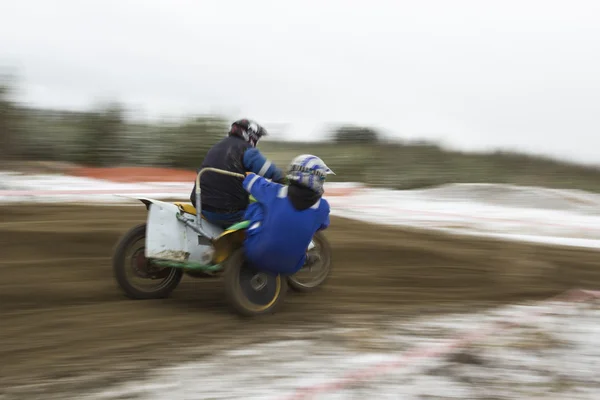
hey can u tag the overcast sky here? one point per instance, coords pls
(475, 74)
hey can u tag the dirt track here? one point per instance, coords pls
(62, 315)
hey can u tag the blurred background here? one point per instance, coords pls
(108, 135)
(416, 84)
(416, 101)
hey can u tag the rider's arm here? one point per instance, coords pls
(325, 224)
(260, 188)
(255, 162)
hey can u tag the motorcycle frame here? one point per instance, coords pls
(222, 249)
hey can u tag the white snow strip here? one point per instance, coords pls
(565, 217)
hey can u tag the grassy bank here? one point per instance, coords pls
(415, 166)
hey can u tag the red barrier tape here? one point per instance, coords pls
(572, 296)
(34, 193)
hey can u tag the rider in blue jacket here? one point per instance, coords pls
(224, 200)
(285, 218)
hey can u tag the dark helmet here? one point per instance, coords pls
(248, 130)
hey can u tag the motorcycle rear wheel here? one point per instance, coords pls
(323, 268)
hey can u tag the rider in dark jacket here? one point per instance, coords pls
(223, 197)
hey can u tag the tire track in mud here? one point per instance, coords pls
(62, 314)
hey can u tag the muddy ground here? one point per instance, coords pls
(62, 316)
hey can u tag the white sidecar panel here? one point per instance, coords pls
(167, 238)
(165, 235)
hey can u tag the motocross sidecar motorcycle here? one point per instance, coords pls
(175, 241)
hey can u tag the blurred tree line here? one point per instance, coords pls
(351, 134)
(8, 122)
(104, 136)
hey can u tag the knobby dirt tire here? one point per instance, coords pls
(325, 255)
(120, 265)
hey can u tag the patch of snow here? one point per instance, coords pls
(556, 355)
(563, 217)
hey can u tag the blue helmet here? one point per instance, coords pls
(309, 171)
